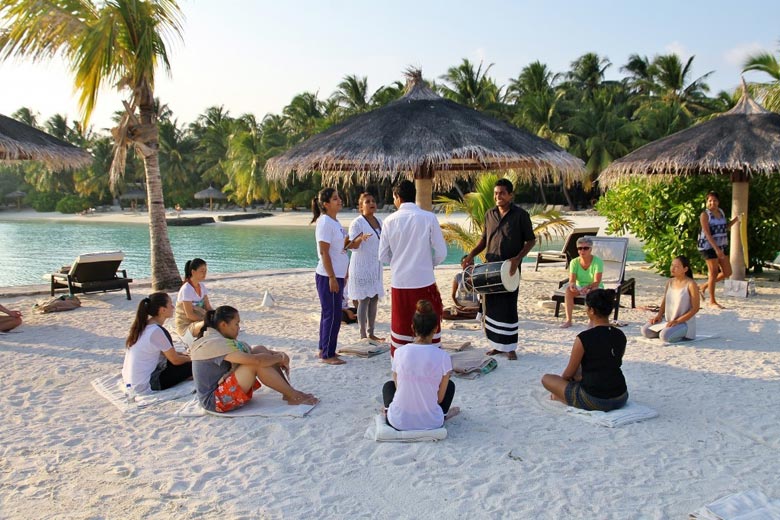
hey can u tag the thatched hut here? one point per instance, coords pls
(428, 138)
(210, 193)
(741, 143)
(20, 142)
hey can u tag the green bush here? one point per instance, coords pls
(43, 201)
(665, 216)
(72, 204)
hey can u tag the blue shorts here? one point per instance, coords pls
(710, 254)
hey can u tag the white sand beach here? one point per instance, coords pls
(511, 453)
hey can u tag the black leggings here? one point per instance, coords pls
(388, 392)
(170, 376)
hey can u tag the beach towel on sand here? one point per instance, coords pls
(455, 346)
(380, 431)
(364, 348)
(112, 387)
(630, 413)
(745, 505)
(471, 364)
(657, 341)
(262, 404)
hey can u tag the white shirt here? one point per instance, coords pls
(418, 373)
(143, 357)
(365, 269)
(330, 231)
(187, 293)
(412, 243)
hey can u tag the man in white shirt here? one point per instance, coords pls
(412, 243)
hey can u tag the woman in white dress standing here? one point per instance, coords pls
(364, 282)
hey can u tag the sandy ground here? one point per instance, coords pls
(67, 453)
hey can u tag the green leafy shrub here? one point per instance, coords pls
(72, 204)
(665, 216)
(43, 201)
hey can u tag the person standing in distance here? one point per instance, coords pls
(507, 235)
(412, 243)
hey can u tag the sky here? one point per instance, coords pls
(254, 56)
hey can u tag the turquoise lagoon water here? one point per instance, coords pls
(29, 250)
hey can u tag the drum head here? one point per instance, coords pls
(511, 283)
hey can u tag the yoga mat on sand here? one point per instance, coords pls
(630, 413)
(262, 404)
(364, 348)
(112, 388)
(455, 346)
(745, 505)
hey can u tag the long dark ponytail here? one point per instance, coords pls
(192, 265)
(223, 313)
(149, 306)
(317, 203)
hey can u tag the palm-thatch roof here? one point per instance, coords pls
(210, 193)
(420, 134)
(740, 143)
(19, 141)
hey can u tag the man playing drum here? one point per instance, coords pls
(412, 243)
(508, 235)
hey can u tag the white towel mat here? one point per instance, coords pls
(745, 505)
(381, 432)
(657, 341)
(630, 413)
(262, 404)
(113, 389)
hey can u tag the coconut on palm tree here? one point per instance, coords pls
(476, 203)
(120, 42)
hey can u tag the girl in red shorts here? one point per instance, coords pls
(228, 371)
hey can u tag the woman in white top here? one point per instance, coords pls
(192, 302)
(332, 245)
(364, 283)
(678, 306)
(420, 394)
(151, 362)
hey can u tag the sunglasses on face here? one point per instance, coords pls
(583, 248)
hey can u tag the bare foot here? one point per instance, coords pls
(511, 355)
(298, 397)
(335, 360)
(452, 413)
(565, 324)
(376, 338)
(493, 352)
(716, 304)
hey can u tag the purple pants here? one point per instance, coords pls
(330, 319)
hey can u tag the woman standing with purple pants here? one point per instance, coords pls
(332, 245)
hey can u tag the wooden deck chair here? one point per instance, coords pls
(567, 252)
(613, 252)
(93, 272)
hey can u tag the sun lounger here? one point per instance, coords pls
(93, 272)
(613, 252)
(567, 252)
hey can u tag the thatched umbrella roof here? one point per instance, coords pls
(18, 194)
(133, 195)
(210, 193)
(428, 137)
(19, 142)
(741, 143)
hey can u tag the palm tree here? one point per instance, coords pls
(476, 203)
(304, 116)
(472, 88)
(24, 114)
(587, 72)
(387, 94)
(352, 95)
(212, 132)
(245, 164)
(120, 42)
(768, 93)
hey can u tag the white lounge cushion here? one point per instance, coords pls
(380, 431)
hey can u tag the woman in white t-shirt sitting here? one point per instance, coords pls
(420, 394)
(151, 362)
(192, 302)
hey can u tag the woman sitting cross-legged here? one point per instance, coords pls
(420, 394)
(151, 362)
(593, 380)
(227, 371)
(678, 306)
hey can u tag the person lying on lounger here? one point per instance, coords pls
(227, 371)
(593, 380)
(12, 319)
(420, 394)
(151, 362)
